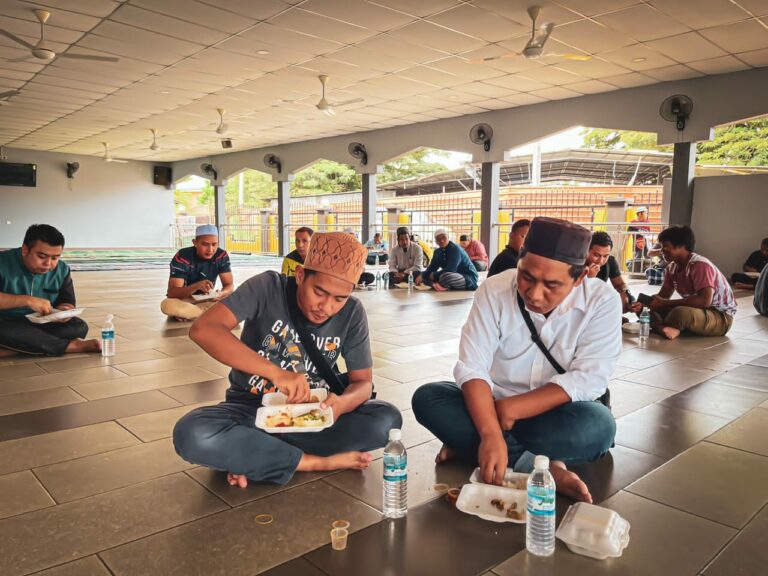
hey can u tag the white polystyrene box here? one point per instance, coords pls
(594, 531)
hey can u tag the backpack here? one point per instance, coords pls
(761, 293)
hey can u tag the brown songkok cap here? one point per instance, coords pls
(337, 254)
(558, 240)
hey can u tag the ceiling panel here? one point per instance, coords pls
(637, 57)
(642, 22)
(425, 33)
(703, 14)
(590, 36)
(686, 47)
(479, 23)
(168, 25)
(330, 29)
(257, 10)
(720, 65)
(594, 7)
(360, 13)
(199, 13)
(739, 37)
(756, 7)
(421, 8)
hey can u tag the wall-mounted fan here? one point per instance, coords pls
(358, 151)
(677, 109)
(273, 161)
(41, 51)
(481, 134)
(108, 158)
(535, 46)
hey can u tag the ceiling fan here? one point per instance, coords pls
(108, 158)
(327, 107)
(154, 146)
(41, 51)
(535, 46)
(4, 96)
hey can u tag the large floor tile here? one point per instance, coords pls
(626, 397)
(723, 484)
(762, 361)
(143, 382)
(99, 473)
(748, 376)
(43, 449)
(29, 401)
(413, 432)
(423, 474)
(674, 375)
(664, 430)
(717, 399)
(615, 471)
(750, 432)
(21, 492)
(412, 370)
(90, 566)
(640, 359)
(198, 358)
(399, 395)
(81, 414)
(235, 544)
(156, 425)
(297, 567)
(197, 392)
(47, 381)
(93, 360)
(46, 538)
(663, 541)
(433, 539)
(10, 371)
(747, 554)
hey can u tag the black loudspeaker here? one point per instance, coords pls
(162, 176)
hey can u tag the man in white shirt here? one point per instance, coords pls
(405, 258)
(509, 401)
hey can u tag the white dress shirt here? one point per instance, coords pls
(583, 334)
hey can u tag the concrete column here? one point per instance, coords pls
(683, 175)
(489, 207)
(536, 165)
(393, 223)
(616, 211)
(283, 217)
(369, 207)
(220, 212)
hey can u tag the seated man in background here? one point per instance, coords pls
(476, 252)
(270, 356)
(754, 265)
(451, 268)
(510, 401)
(34, 279)
(508, 257)
(707, 304)
(377, 250)
(295, 259)
(600, 264)
(405, 258)
(194, 270)
(655, 273)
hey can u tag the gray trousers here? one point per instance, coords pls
(225, 437)
(450, 280)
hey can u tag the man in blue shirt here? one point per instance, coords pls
(450, 268)
(377, 247)
(194, 271)
(34, 279)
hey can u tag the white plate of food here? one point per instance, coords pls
(293, 418)
(493, 503)
(316, 396)
(203, 297)
(55, 316)
(513, 480)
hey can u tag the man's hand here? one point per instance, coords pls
(493, 459)
(593, 270)
(334, 402)
(418, 280)
(658, 304)
(204, 286)
(636, 307)
(399, 276)
(294, 385)
(40, 305)
(505, 413)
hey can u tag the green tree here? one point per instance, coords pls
(605, 138)
(741, 144)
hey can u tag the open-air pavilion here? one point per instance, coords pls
(141, 94)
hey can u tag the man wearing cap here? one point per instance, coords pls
(270, 356)
(194, 270)
(450, 268)
(510, 401)
(405, 258)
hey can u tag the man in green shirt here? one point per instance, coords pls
(34, 279)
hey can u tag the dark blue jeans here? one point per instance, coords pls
(50, 339)
(224, 437)
(573, 433)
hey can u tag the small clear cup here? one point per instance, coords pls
(339, 538)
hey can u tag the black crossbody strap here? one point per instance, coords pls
(535, 336)
(326, 372)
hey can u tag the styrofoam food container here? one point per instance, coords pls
(509, 476)
(209, 296)
(280, 399)
(594, 531)
(295, 409)
(476, 499)
(54, 316)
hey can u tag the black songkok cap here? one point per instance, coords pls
(558, 240)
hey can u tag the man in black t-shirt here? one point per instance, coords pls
(752, 267)
(508, 257)
(600, 264)
(194, 271)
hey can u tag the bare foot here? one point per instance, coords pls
(743, 286)
(669, 332)
(445, 455)
(343, 461)
(237, 480)
(180, 319)
(79, 345)
(437, 287)
(568, 483)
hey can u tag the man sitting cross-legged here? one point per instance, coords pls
(602, 265)
(509, 402)
(450, 268)
(194, 270)
(405, 259)
(271, 357)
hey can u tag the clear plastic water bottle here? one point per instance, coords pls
(385, 280)
(378, 279)
(108, 337)
(377, 258)
(645, 325)
(410, 280)
(540, 529)
(395, 476)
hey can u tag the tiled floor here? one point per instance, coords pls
(90, 484)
